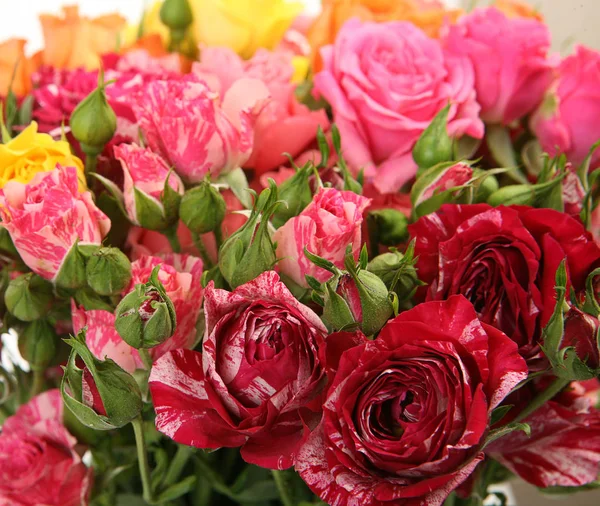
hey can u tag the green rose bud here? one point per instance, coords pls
(93, 122)
(517, 194)
(337, 313)
(108, 271)
(37, 344)
(486, 187)
(388, 226)
(250, 251)
(435, 145)
(178, 16)
(146, 317)
(296, 194)
(102, 396)
(72, 271)
(202, 208)
(28, 297)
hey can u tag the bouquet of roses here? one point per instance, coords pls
(258, 259)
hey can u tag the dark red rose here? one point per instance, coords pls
(406, 414)
(255, 380)
(504, 261)
(564, 446)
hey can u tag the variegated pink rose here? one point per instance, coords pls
(284, 125)
(145, 173)
(256, 382)
(48, 216)
(40, 463)
(180, 275)
(193, 130)
(326, 227)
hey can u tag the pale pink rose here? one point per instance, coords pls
(326, 227)
(385, 83)
(510, 56)
(146, 172)
(48, 216)
(193, 130)
(284, 125)
(39, 461)
(568, 121)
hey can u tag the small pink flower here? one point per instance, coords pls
(144, 171)
(510, 57)
(48, 216)
(39, 459)
(326, 227)
(195, 131)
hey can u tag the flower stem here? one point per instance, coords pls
(91, 162)
(555, 387)
(171, 234)
(146, 358)
(39, 379)
(208, 263)
(140, 442)
(283, 488)
(218, 237)
(179, 461)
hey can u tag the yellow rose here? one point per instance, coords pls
(31, 152)
(243, 25)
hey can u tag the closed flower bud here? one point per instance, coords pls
(296, 193)
(37, 344)
(389, 226)
(72, 271)
(202, 208)
(435, 145)
(518, 194)
(486, 187)
(93, 122)
(336, 310)
(250, 250)
(108, 271)
(374, 299)
(581, 332)
(397, 272)
(178, 16)
(102, 396)
(146, 317)
(28, 297)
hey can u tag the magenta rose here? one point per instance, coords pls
(504, 261)
(406, 415)
(284, 125)
(326, 227)
(48, 216)
(196, 133)
(253, 383)
(564, 446)
(569, 119)
(385, 83)
(40, 462)
(144, 172)
(510, 57)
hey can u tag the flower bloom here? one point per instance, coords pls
(253, 384)
(406, 415)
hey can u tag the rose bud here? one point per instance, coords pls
(108, 271)
(516, 194)
(250, 251)
(581, 332)
(487, 186)
(146, 317)
(37, 344)
(203, 208)
(573, 192)
(178, 16)
(102, 396)
(434, 145)
(388, 226)
(93, 122)
(296, 193)
(397, 272)
(28, 297)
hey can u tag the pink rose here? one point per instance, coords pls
(196, 133)
(145, 172)
(48, 216)
(386, 82)
(39, 462)
(510, 56)
(255, 381)
(284, 125)
(569, 119)
(326, 227)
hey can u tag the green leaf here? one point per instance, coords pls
(321, 262)
(323, 148)
(113, 190)
(149, 212)
(500, 144)
(507, 429)
(177, 490)
(499, 413)
(591, 304)
(26, 110)
(170, 200)
(314, 283)
(238, 183)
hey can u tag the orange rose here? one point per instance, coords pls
(429, 15)
(13, 61)
(72, 41)
(516, 8)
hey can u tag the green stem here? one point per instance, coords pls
(171, 234)
(140, 442)
(177, 465)
(208, 263)
(91, 163)
(39, 379)
(218, 237)
(542, 398)
(283, 488)
(146, 358)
